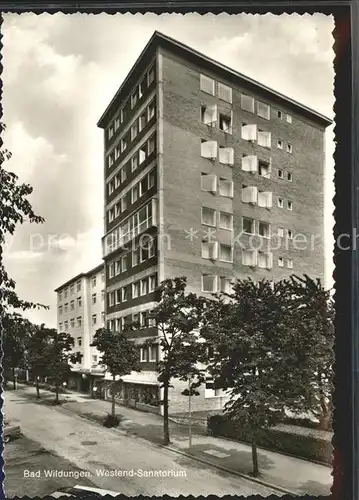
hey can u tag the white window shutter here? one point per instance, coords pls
(269, 199)
(209, 149)
(250, 163)
(214, 250)
(210, 115)
(250, 194)
(249, 132)
(269, 260)
(209, 183)
(226, 155)
(265, 199)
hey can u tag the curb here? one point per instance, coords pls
(187, 455)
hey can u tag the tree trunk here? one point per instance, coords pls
(113, 404)
(57, 393)
(14, 378)
(166, 431)
(37, 388)
(255, 459)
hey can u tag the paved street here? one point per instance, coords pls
(93, 448)
(23, 454)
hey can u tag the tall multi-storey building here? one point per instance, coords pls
(225, 174)
(80, 312)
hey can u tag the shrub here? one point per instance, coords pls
(111, 420)
(306, 447)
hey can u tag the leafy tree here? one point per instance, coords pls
(16, 331)
(37, 348)
(15, 209)
(118, 354)
(59, 353)
(248, 335)
(312, 315)
(177, 318)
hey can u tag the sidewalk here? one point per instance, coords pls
(292, 474)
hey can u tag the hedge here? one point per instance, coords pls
(300, 446)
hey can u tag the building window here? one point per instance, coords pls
(281, 232)
(289, 118)
(289, 148)
(152, 282)
(134, 162)
(144, 354)
(279, 144)
(110, 160)
(111, 270)
(66, 325)
(124, 263)
(66, 307)
(263, 110)
(72, 305)
(225, 284)
(60, 296)
(264, 229)
(209, 149)
(142, 122)
(135, 257)
(225, 220)
(264, 139)
(94, 319)
(143, 253)
(280, 262)
(135, 289)
(225, 122)
(265, 260)
(279, 114)
(79, 341)
(153, 353)
(224, 92)
(151, 178)
(225, 253)
(118, 296)
(65, 293)
(110, 132)
(60, 310)
(207, 84)
(247, 103)
(94, 358)
(289, 176)
(209, 183)
(134, 98)
(79, 321)
(78, 285)
(94, 281)
(225, 187)
(290, 205)
(249, 132)
(134, 194)
(124, 203)
(150, 75)
(123, 174)
(249, 163)
(103, 316)
(209, 115)
(123, 145)
(226, 156)
(142, 155)
(72, 289)
(117, 123)
(72, 322)
(209, 250)
(290, 234)
(134, 131)
(151, 145)
(143, 185)
(79, 301)
(117, 152)
(151, 110)
(248, 225)
(60, 327)
(102, 294)
(290, 263)
(280, 173)
(280, 202)
(144, 286)
(122, 115)
(264, 168)
(208, 283)
(249, 258)
(265, 199)
(94, 298)
(208, 216)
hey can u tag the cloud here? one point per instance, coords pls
(60, 73)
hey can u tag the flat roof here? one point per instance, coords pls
(159, 39)
(81, 275)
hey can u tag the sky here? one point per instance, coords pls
(61, 72)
